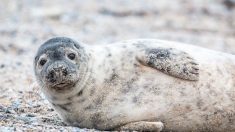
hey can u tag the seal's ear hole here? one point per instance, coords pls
(42, 62)
(71, 56)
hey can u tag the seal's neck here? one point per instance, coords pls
(85, 70)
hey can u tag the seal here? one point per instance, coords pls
(142, 84)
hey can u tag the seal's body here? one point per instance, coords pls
(139, 85)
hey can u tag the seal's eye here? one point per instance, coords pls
(71, 56)
(42, 62)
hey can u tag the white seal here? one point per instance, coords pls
(140, 85)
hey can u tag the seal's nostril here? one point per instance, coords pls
(65, 72)
(52, 76)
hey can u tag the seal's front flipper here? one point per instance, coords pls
(142, 126)
(171, 61)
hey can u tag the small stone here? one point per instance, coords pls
(2, 66)
(9, 111)
(30, 115)
(229, 3)
(50, 12)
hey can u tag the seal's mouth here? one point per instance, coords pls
(63, 86)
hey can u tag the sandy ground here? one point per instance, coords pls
(25, 24)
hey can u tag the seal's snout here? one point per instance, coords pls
(57, 73)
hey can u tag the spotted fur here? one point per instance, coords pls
(145, 85)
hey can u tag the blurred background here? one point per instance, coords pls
(25, 24)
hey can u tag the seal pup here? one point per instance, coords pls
(141, 85)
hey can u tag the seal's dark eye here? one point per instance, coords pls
(42, 62)
(71, 56)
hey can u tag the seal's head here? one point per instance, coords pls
(57, 63)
